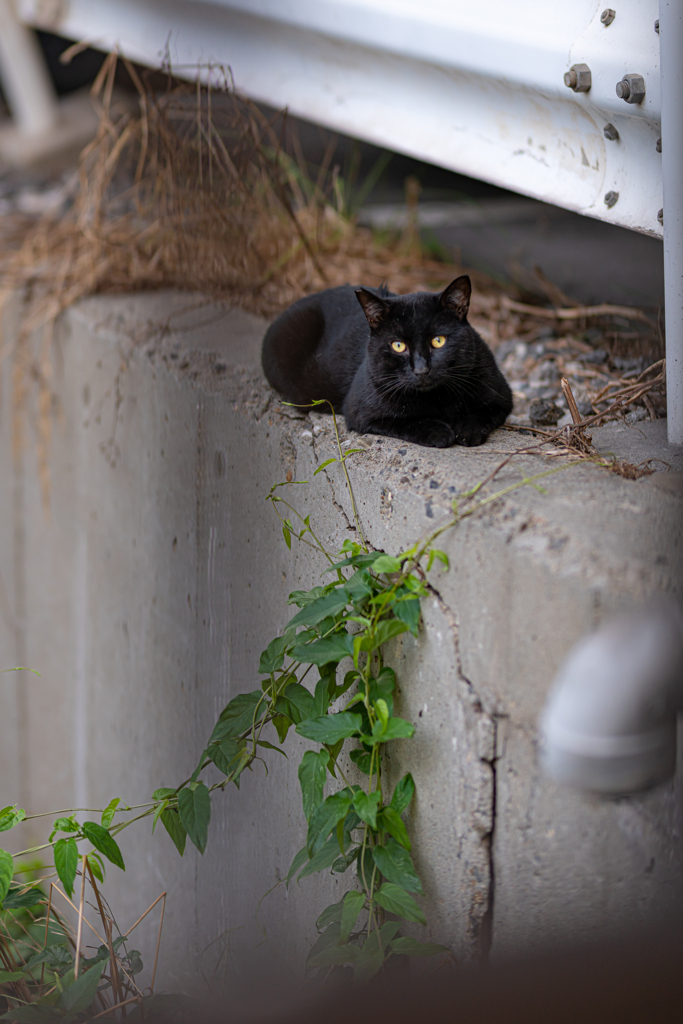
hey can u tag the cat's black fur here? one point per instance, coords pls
(336, 345)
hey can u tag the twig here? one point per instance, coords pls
(567, 392)
(133, 999)
(79, 933)
(577, 312)
(156, 955)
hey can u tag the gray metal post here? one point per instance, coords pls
(25, 79)
(671, 55)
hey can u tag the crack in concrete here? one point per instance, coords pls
(487, 919)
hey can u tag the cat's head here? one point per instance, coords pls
(417, 341)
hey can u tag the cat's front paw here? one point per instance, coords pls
(438, 435)
(471, 436)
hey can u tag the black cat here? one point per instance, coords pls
(407, 366)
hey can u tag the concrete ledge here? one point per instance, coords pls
(146, 596)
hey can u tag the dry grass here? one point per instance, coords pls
(196, 190)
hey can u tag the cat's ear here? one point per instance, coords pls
(457, 296)
(374, 308)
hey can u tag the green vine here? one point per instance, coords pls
(370, 598)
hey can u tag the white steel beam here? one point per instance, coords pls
(478, 88)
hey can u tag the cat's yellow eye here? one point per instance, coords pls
(439, 341)
(399, 346)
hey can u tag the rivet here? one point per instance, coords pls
(611, 198)
(658, 145)
(610, 132)
(631, 88)
(660, 216)
(578, 78)
(608, 16)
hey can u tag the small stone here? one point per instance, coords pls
(434, 484)
(596, 357)
(585, 408)
(636, 415)
(543, 412)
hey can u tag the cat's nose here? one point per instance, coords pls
(420, 367)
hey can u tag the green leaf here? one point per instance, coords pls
(335, 956)
(366, 806)
(170, 819)
(66, 862)
(329, 937)
(109, 811)
(20, 896)
(390, 821)
(382, 710)
(80, 994)
(325, 818)
(194, 805)
(383, 686)
(330, 915)
(329, 605)
(387, 629)
(301, 858)
(396, 865)
(96, 866)
(225, 755)
(312, 775)
(163, 794)
(302, 700)
(387, 563)
(322, 652)
(397, 901)
(33, 1014)
(103, 841)
(288, 537)
(282, 725)
(237, 716)
(6, 873)
(64, 825)
(10, 816)
(324, 858)
(411, 947)
(403, 794)
(395, 729)
(272, 659)
(303, 597)
(408, 611)
(361, 560)
(7, 976)
(359, 586)
(362, 760)
(440, 555)
(354, 901)
(370, 960)
(323, 465)
(330, 728)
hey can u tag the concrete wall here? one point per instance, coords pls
(146, 594)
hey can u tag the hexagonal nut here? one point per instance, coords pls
(631, 88)
(610, 132)
(611, 199)
(578, 78)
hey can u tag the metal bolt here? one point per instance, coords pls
(657, 26)
(658, 145)
(610, 132)
(608, 16)
(611, 198)
(578, 78)
(660, 216)
(631, 88)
